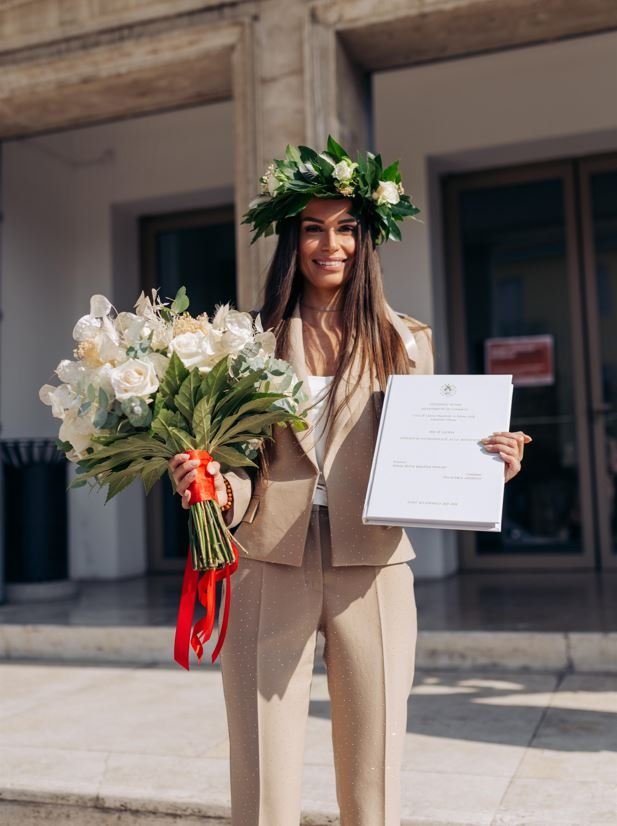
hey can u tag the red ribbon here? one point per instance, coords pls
(201, 489)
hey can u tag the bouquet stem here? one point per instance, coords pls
(209, 537)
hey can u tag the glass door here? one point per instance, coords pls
(515, 306)
(598, 187)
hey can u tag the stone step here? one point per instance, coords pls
(586, 652)
(130, 812)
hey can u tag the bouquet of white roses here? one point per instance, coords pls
(147, 385)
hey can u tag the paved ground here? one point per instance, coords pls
(87, 744)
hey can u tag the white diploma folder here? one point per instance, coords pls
(429, 469)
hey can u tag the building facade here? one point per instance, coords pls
(132, 138)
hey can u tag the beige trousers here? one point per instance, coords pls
(368, 618)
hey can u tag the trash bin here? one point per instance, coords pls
(35, 520)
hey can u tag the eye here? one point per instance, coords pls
(348, 228)
(312, 228)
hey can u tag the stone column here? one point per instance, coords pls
(303, 86)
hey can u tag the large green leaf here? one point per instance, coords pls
(164, 422)
(153, 472)
(260, 403)
(229, 457)
(182, 440)
(249, 426)
(188, 395)
(242, 391)
(174, 376)
(202, 419)
(213, 384)
(118, 482)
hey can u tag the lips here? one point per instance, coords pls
(329, 263)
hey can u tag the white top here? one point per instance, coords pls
(317, 419)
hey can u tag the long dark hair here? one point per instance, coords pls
(367, 333)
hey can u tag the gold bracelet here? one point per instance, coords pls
(230, 496)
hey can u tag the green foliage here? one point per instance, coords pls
(189, 394)
(172, 380)
(303, 174)
(180, 304)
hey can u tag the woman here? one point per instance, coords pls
(312, 565)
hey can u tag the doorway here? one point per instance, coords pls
(532, 286)
(194, 249)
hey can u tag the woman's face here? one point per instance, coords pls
(327, 243)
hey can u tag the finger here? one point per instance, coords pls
(495, 445)
(213, 468)
(186, 498)
(510, 440)
(185, 475)
(177, 460)
(511, 464)
(186, 468)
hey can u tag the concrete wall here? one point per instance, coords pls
(71, 201)
(513, 107)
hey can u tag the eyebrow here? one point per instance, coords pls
(349, 220)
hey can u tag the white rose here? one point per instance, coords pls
(193, 349)
(77, 430)
(60, 399)
(343, 171)
(134, 378)
(387, 193)
(238, 331)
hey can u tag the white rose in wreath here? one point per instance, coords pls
(134, 377)
(343, 171)
(387, 193)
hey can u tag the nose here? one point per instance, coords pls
(329, 239)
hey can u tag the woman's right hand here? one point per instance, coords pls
(183, 471)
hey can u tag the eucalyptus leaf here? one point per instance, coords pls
(180, 304)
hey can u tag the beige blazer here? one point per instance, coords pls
(273, 520)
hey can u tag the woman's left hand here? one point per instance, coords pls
(510, 447)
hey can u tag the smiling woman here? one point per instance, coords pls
(327, 245)
(310, 564)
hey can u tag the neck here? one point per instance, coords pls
(316, 300)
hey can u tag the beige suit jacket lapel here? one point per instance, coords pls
(351, 410)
